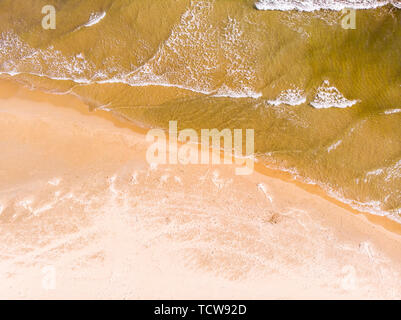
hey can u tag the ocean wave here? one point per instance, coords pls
(370, 206)
(182, 61)
(95, 18)
(315, 5)
(291, 97)
(392, 111)
(327, 96)
(330, 97)
(192, 57)
(334, 146)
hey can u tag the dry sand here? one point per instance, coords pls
(80, 205)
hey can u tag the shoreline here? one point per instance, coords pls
(77, 195)
(120, 121)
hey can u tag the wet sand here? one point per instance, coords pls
(78, 198)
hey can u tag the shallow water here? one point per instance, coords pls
(324, 101)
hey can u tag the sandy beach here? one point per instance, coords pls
(79, 201)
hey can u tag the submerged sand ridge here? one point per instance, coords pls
(77, 196)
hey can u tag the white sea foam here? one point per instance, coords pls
(392, 111)
(372, 207)
(376, 172)
(328, 96)
(394, 171)
(334, 146)
(224, 91)
(18, 58)
(195, 46)
(314, 5)
(389, 173)
(95, 18)
(292, 97)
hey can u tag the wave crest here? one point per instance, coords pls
(314, 5)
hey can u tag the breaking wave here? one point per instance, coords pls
(329, 97)
(314, 5)
(194, 57)
(291, 97)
